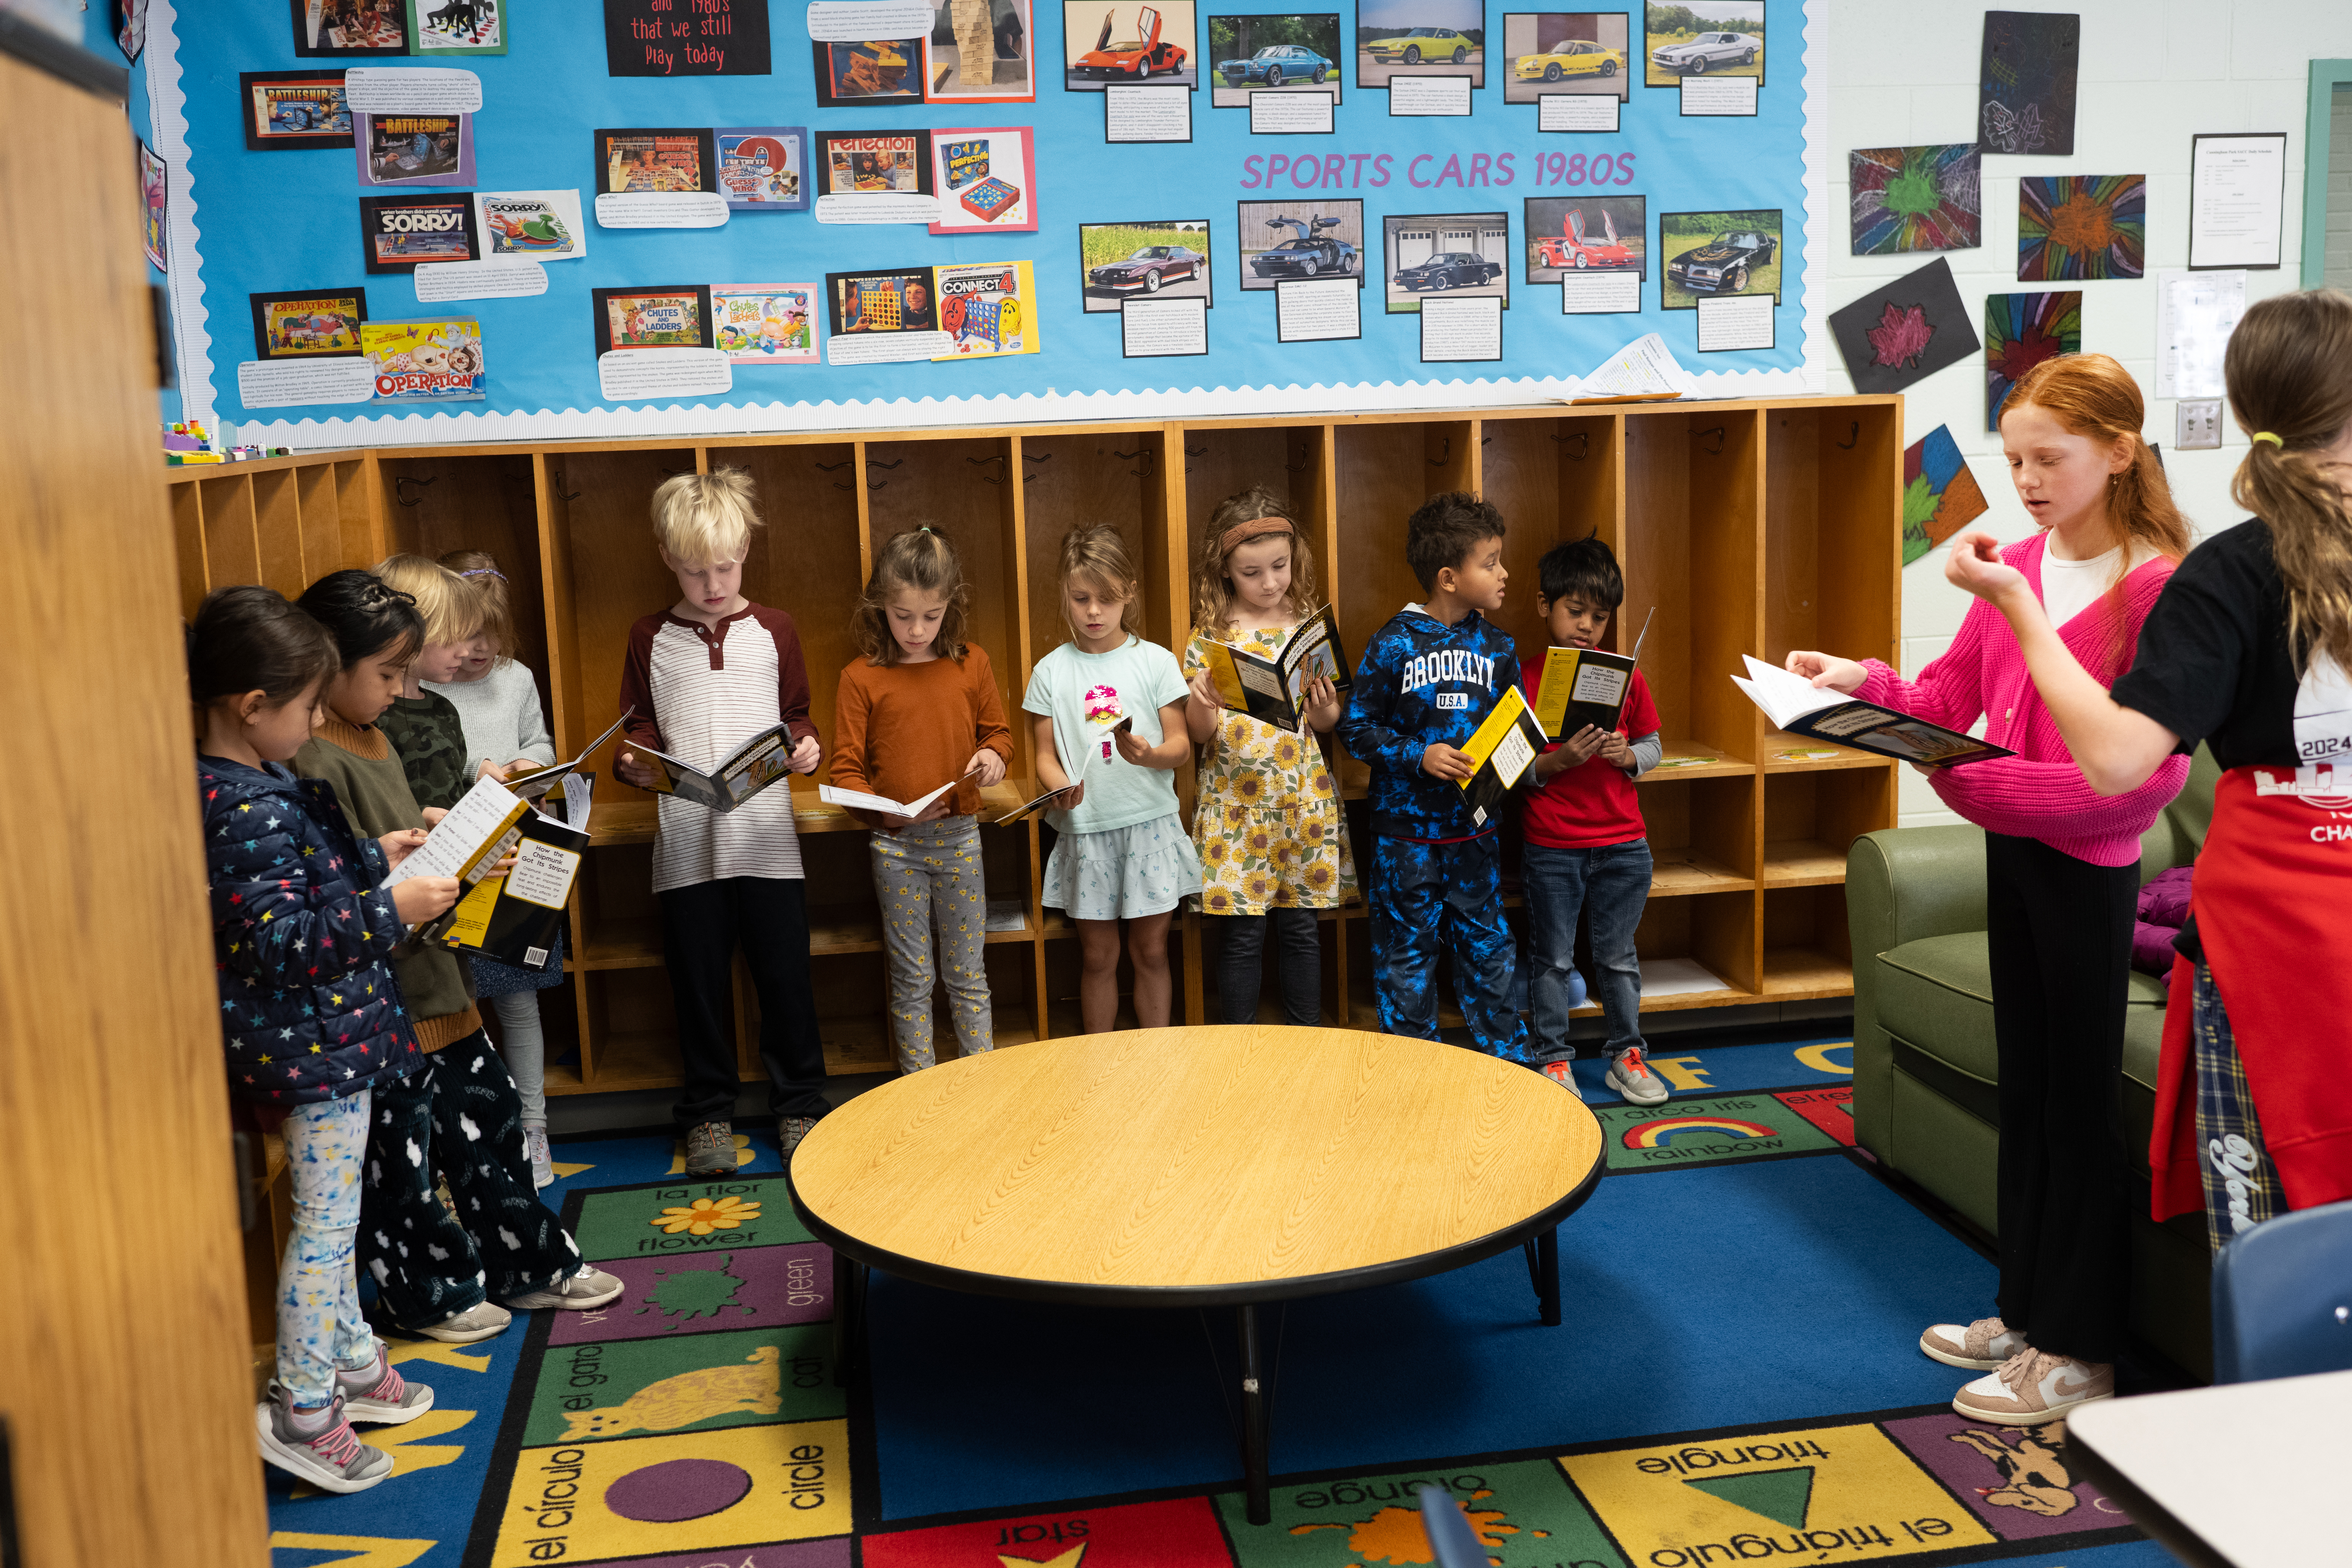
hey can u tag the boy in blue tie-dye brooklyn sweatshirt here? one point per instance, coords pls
(1429, 678)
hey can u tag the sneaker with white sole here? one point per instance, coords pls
(710, 1149)
(476, 1322)
(1563, 1073)
(542, 1164)
(1629, 1076)
(791, 1130)
(591, 1287)
(1979, 1346)
(319, 1445)
(2033, 1387)
(377, 1393)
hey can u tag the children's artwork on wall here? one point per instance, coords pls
(415, 148)
(342, 29)
(1273, 54)
(1940, 496)
(766, 323)
(2081, 226)
(1123, 41)
(2021, 332)
(1718, 253)
(294, 108)
(1586, 233)
(1566, 52)
(1466, 253)
(458, 26)
(1915, 198)
(763, 168)
(981, 51)
(667, 38)
(1166, 259)
(1420, 37)
(153, 190)
(674, 316)
(321, 323)
(1702, 37)
(1906, 330)
(2025, 93)
(1300, 239)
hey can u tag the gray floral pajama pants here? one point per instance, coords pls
(928, 882)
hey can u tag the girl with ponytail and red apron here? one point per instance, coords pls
(2246, 651)
(2062, 880)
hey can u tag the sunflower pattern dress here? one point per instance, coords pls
(1268, 823)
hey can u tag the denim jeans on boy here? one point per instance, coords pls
(1613, 882)
(1428, 896)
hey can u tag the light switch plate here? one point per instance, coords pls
(2196, 425)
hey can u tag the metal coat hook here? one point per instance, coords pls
(1717, 433)
(877, 484)
(1485, 440)
(400, 493)
(1853, 437)
(876, 463)
(559, 490)
(1439, 460)
(1037, 458)
(835, 468)
(983, 458)
(1304, 461)
(1583, 439)
(1193, 452)
(1145, 453)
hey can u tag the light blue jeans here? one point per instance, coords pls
(1613, 882)
(319, 1324)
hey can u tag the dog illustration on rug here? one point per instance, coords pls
(752, 1387)
(2033, 1474)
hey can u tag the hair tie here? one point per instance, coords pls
(380, 593)
(2273, 440)
(485, 572)
(1257, 528)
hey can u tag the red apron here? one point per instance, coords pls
(2270, 902)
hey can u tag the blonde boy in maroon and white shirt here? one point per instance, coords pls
(706, 674)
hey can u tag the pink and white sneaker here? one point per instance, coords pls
(378, 1394)
(1979, 1346)
(2033, 1387)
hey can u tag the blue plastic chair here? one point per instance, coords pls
(2282, 1298)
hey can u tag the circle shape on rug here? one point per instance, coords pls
(678, 1489)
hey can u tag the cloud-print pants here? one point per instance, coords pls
(459, 1115)
(319, 1324)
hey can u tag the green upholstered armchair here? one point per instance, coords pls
(1925, 1079)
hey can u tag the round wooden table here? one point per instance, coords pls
(1196, 1167)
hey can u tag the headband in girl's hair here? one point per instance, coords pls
(1257, 527)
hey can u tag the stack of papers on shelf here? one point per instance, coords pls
(1677, 977)
(1006, 914)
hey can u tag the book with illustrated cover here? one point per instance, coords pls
(1503, 747)
(512, 915)
(1796, 705)
(740, 775)
(532, 785)
(1275, 690)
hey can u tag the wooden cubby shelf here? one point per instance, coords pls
(1752, 528)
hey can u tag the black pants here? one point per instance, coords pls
(1298, 966)
(458, 1114)
(701, 927)
(2059, 937)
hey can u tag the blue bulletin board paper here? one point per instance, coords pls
(246, 223)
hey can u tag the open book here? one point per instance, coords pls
(1584, 685)
(858, 800)
(512, 917)
(740, 775)
(1075, 776)
(534, 785)
(1275, 690)
(1503, 747)
(1798, 706)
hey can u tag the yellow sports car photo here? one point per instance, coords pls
(1570, 56)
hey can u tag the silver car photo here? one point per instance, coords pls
(1707, 51)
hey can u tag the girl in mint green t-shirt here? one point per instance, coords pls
(1108, 717)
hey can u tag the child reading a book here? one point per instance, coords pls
(2062, 880)
(438, 1273)
(424, 726)
(1428, 681)
(705, 675)
(920, 708)
(506, 731)
(1272, 839)
(311, 1017)
(1107, 720)
(1587, 848)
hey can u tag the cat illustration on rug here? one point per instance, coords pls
(753, 1387)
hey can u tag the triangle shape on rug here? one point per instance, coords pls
(1782, 1496)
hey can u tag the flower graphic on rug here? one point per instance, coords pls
(706, 1215)
(685, 1294)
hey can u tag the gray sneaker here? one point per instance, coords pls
(317, 1446)
(477, 1322)
(591, 1287)
(710, 1149)
(542, 1165)
(377, 1393)
(1629, 1076)
(792, 1129)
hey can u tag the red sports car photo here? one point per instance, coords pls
(1574, 247)
(1129, 53)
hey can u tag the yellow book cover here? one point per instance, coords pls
(1502, 748)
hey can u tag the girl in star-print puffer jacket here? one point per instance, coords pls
(302, 939)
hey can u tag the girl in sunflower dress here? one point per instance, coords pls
(1272, 836)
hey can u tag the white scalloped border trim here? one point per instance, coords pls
(193, 340)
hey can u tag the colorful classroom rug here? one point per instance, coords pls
(1737, 1380)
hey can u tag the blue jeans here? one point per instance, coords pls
(1613, 882)
(1423, 895)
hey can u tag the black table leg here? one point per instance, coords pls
(1547, 1270)
(1257, 1422)
(848, 1319)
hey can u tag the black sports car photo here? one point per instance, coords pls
(1722, 264)
(1449, 270)
(1148, 268)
